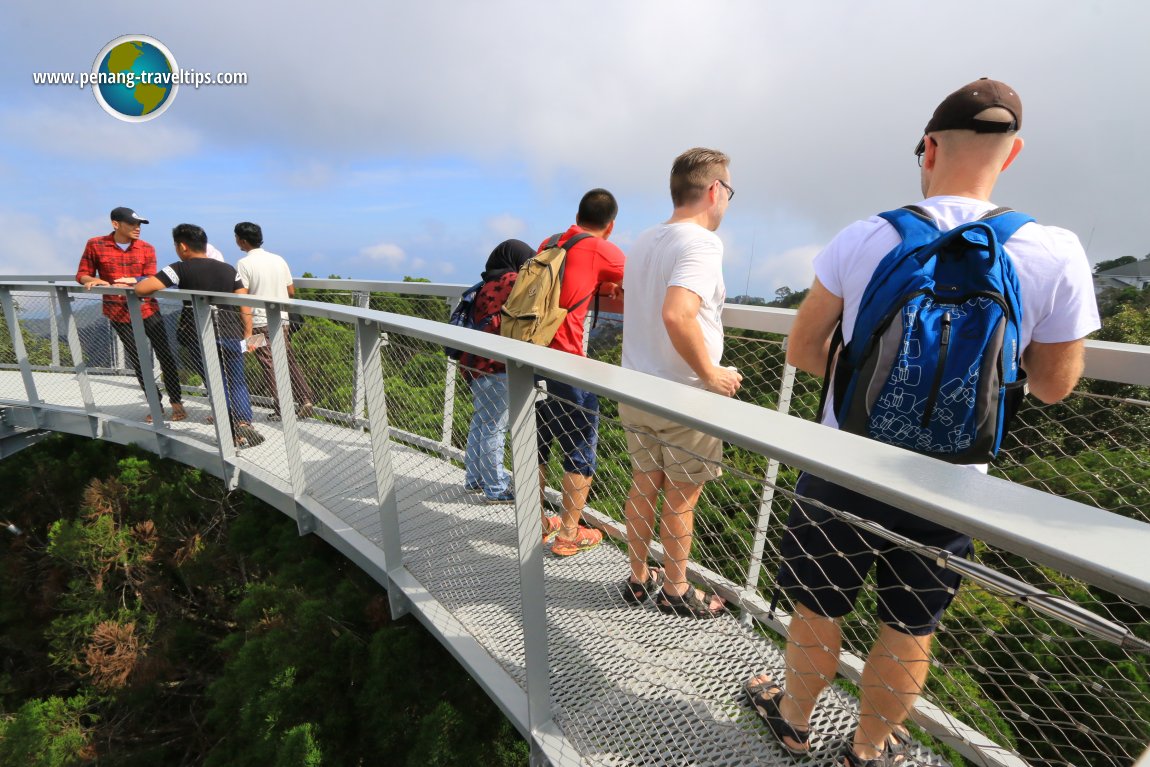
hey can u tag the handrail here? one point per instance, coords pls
(1097, 547)
(1105, 360)
(1100, 548)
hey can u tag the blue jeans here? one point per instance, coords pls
(235, 385)
(487, 435)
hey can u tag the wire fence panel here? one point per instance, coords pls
(1043, 667)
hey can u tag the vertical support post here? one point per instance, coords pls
(305, 522)
(64, 300)
(359, 404)
(449, 399)
(214, 378)
(767, 499)
(521, 397)
(369, 343)
(144, 356)
(54, 330)
(13, 322)
(449, 404)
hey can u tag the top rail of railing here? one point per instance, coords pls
(1105, 361)
(1096, 546)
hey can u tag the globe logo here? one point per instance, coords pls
(135, 78)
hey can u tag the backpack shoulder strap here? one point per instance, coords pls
(575, 238)
(913, 224)
(552, 241)
(1005, 222)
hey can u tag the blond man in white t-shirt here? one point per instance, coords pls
(267, 275)
(672, 328)
(969, 141)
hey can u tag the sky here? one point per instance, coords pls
(377, 139)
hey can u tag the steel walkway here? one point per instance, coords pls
(631, 686)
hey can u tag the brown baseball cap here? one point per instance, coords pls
(958, 110)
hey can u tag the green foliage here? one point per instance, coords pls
(1114, 263)
(218, 615)
(54, 732)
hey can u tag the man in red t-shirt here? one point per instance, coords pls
(570, 414)
(120, 259)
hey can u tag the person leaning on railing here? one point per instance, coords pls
(121, 259)
(487, 379)
(968, 142)
(195, 271)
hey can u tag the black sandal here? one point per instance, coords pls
(765, 697)
(892, 754)
(246, 436)
(689, 605)
(638, 593)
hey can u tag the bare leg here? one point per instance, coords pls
(642, 500)
(575, 490)
(813, 645)
(892, 679)
(677, 533)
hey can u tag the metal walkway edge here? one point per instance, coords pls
(651, 689)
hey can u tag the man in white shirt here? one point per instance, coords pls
(267, 275)
(969, 141)
(675, 274)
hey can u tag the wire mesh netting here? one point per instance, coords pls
(631, 684)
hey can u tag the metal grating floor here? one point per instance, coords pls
(630, 685)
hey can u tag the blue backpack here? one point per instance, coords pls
(463, 316)
(933, 363)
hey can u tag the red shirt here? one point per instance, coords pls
(103, 258)
(591, 262)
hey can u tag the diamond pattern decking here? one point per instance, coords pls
(630, 686)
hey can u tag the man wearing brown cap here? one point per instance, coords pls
(120, 259)
(968, 142)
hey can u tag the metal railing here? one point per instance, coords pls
(1041, 659)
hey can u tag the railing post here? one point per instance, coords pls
(359, 405)
(18, 347)
(521, 396)
(144, 360)
(54, 330)
(369, 343)
(64, 300)
(767, 499)
(214, 379)
(449, 397)
(449, 403)
(277, 339)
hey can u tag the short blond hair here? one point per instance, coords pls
(693, 171)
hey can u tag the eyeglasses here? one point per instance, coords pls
(920, 150)
(729, 188)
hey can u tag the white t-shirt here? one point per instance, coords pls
(1054, 276)
(265, 275)
(685, 255)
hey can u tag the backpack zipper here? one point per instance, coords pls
(943, 348)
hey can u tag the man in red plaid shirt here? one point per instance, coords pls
(120, 259)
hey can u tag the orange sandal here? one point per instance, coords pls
(551, 528)
(586, 538)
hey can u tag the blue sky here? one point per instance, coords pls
(381, 139)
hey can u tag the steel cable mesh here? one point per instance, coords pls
(1028, 682)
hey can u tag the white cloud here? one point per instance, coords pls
(32, 247)
(387, 253)
(76, 133)
(506, 226)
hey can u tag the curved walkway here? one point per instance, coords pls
(629, 685)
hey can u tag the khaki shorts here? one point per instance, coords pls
(660, 444)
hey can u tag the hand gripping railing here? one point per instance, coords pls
(1092, 546)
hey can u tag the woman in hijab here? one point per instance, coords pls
(488, 379)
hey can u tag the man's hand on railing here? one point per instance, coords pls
(725, 381)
